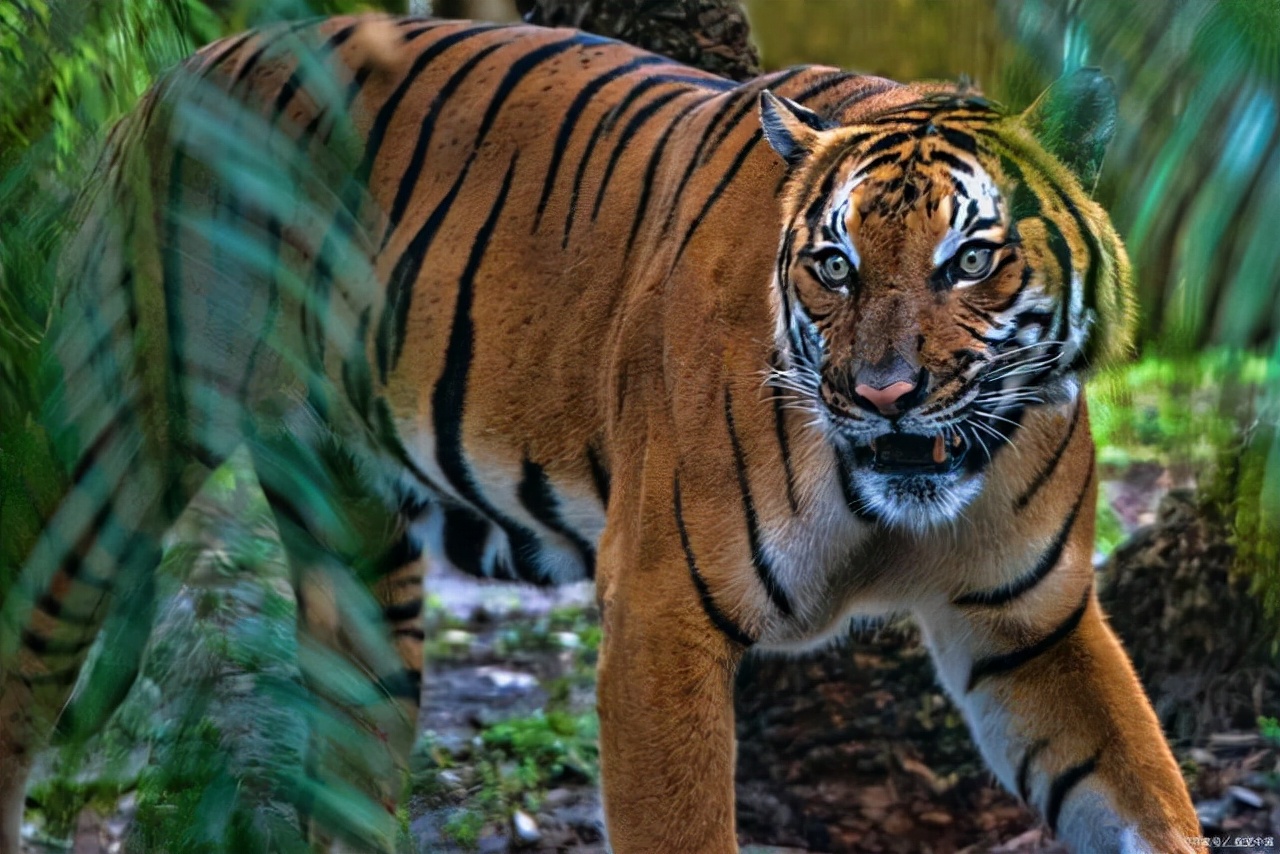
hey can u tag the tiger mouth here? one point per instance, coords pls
(911, 453)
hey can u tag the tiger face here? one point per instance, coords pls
(939, 273)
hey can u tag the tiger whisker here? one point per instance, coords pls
(997, 435)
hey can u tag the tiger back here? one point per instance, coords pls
(760, 358)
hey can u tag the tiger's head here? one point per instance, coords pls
(943, 268)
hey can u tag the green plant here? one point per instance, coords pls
(1269, 728)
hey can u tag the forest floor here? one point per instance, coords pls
(854, 749)
(914, 785)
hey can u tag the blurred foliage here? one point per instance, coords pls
(1193, 183)
(213, 733)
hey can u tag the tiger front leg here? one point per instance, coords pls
(1059, 714)
(665, 698)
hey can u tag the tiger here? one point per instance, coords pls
(761, 359)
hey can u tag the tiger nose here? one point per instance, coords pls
(885, 399)
(887, 385)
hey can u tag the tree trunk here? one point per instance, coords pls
(710, 34)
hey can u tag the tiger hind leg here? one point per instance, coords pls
(355, 572)
(102, 543)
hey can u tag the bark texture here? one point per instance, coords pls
(709, 34)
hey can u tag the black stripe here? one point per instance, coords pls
(404, 551)
(725, 180)
(465, 535)
(599, 474)
(57, 609)
(268, 41)
(230, 47)
(1062, 253)
(171, 285)
(637, 121)
(717, 617)
(845, 463)
(997, 665)
(402, 611)
(1026, 203)
(1024, 767)
(291, 86)
(409, 632)
(570, 122)
(411, 179)
(1045, 565)
(90, 456)
(978, 225)
(959, 139)
(523, 66)
(1023, 203)
(650, 174)
(784, 447)
(745, 98)
(885, 143)
(777, 595)
(955, 163)
(604, 124)
(385, 430)
(386, 113)
(448, 399)
(354, 87)
(975, 333)
(406, 684)
(1062, 786)
(389, 343)
(818, 205)
(72, 565)
(745, 106)
(1042, 477)
(873, 88)
(356, 381)
(732, 171)
(537, 496)
(1091, 244)
(42, 645)
(405, 274)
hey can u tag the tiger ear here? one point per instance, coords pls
(1074, 119)
(791, 130)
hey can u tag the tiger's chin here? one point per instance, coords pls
(916, 501)
(913, 482)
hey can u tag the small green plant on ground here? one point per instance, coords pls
(511, 764)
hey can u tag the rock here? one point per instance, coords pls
(508, 680)
(567, 640)
(1246, 797)
(526, 829)
(557, 798)
(1214, 812)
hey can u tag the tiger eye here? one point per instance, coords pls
(974, 263)
(836, 267)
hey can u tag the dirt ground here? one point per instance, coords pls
(862, 753)
(898, 775)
